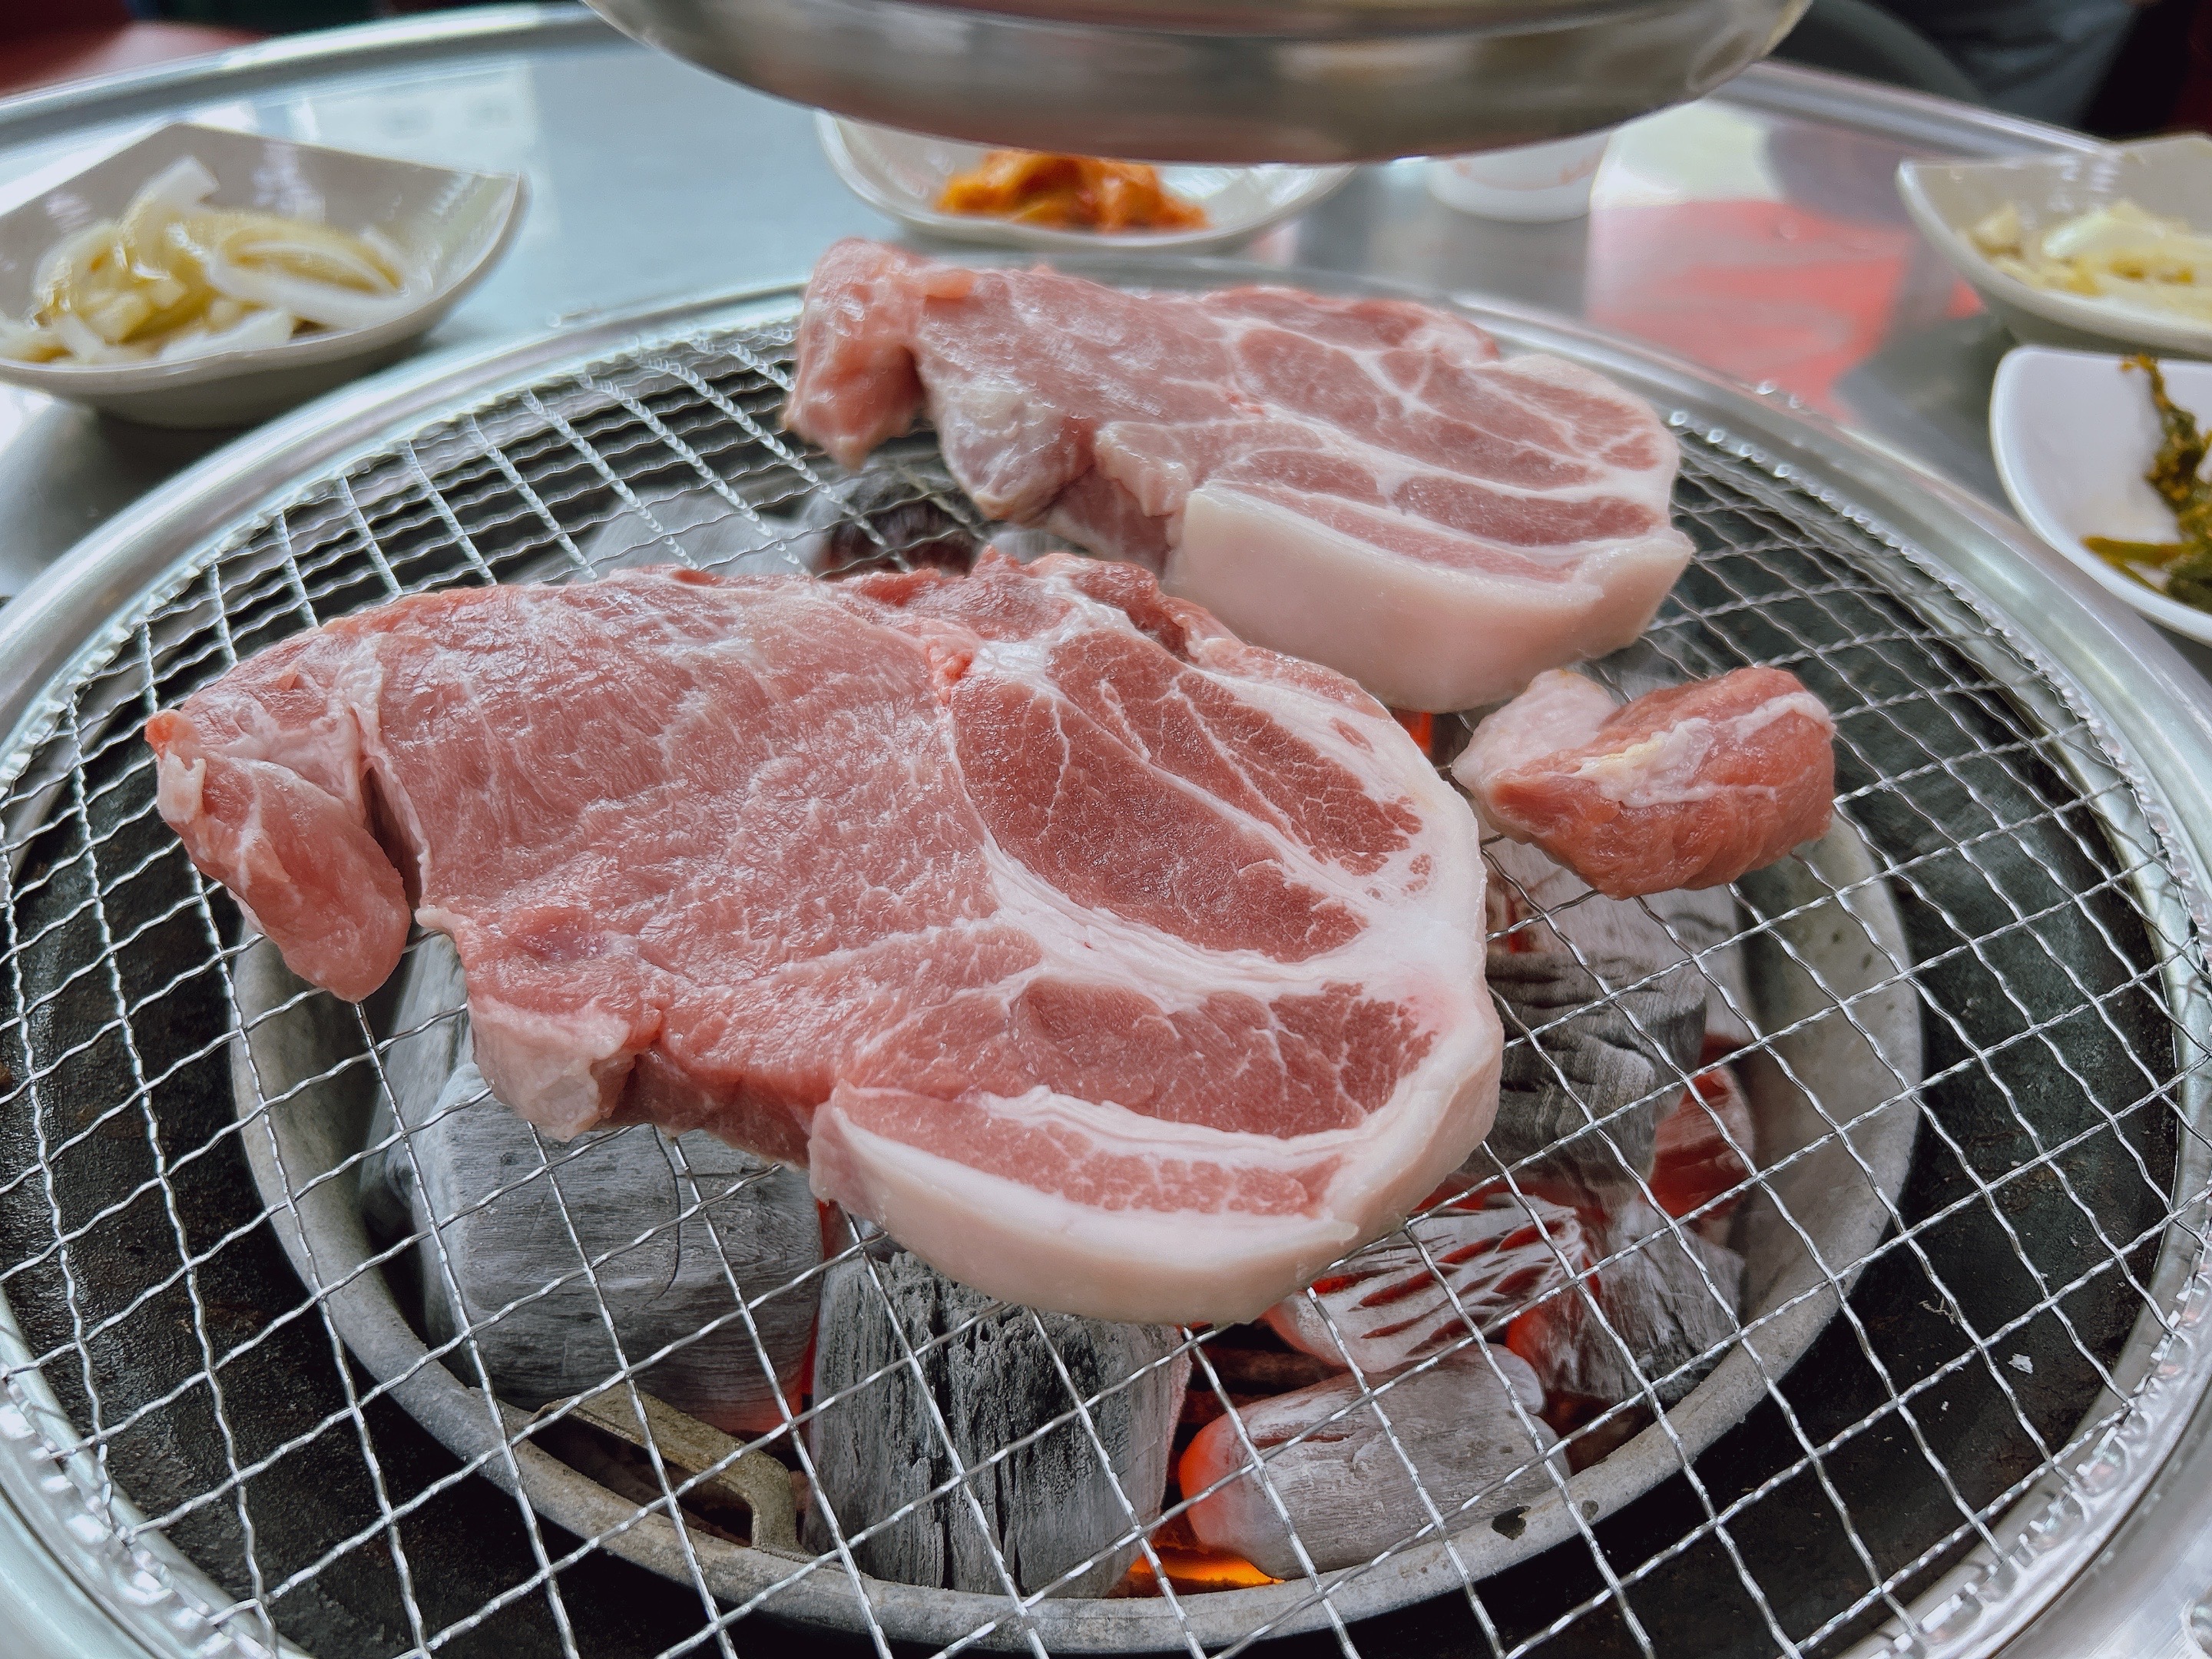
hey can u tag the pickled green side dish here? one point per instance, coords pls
(2186, 563)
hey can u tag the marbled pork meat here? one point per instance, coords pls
(1112, 964)
(1363, 482)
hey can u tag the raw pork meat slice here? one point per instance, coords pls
(1112, 964)
(1358, 482)
(1690, 787)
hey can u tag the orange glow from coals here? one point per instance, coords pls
(1192, 1570)
(1422, 728)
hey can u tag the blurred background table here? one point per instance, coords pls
(1757, 232)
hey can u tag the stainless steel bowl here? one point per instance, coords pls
(1237, 80)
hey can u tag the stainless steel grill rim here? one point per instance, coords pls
(2101, 780)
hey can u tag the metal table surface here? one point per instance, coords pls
(1757, 232)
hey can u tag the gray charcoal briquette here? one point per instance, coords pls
(678, 1221)
(1050, 1504)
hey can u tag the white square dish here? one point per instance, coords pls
(2171, 177)
(903, 174)
(2074, 435)
(458, 224)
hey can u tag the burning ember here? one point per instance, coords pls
(1462, 1266)
(1191, 1568)
(1698, 1152)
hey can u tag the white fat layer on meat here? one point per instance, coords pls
(1561, 709)
(1662, 769)
(1150, 1265)
(179, 785)
(1418, 634)
(1034, 1248)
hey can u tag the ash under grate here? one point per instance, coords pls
(2049, 1213)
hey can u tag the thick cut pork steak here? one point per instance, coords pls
(1113, 965)
(1363, 483)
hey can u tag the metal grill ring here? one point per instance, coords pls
(1985, 1003)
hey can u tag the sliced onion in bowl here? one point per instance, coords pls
(330, 304)
(257, 331)
(29, 342)
(185, 183)
(88, 346)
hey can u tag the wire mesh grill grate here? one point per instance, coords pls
(1992, 1343)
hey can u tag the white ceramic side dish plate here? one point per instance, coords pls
(457, 223)
(903, 174)
(2171, 177)
(2073, 436)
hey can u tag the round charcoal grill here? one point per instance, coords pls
(1974, 1237)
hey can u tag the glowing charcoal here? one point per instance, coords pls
(1468, 1425)
(902, 1348)
(1473, 1268)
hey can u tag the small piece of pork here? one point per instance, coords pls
(1688, 786)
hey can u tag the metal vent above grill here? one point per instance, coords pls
(187, 1417)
